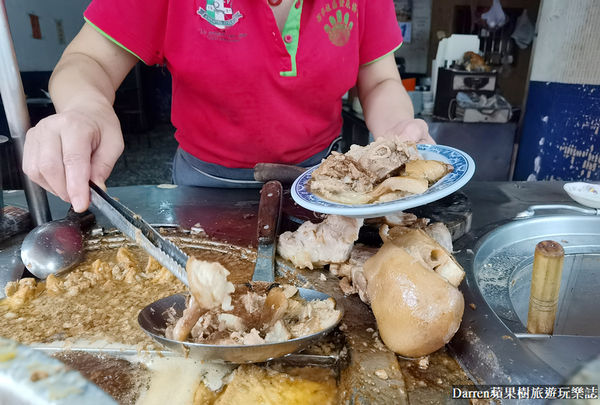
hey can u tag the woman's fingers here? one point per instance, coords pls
(416, 131)
(106, 155)
(64, 151)
(36, 160)
(51, 165)
(411, 130)
(76, 156)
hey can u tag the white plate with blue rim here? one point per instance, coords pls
(464, 168)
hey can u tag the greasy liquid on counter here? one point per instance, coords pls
(107, 309)
(98, 302)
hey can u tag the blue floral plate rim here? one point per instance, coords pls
(464, 168)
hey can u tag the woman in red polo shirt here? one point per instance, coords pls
(253, 81)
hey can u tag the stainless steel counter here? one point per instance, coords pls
(230, 213)
(484, 346)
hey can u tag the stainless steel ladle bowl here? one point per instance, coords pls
(153, 319)
(56, 246)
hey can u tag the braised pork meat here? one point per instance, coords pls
(314, 245)
(382, 171)
(217, 312)
(384, 157)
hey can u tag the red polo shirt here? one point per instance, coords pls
(244, 92)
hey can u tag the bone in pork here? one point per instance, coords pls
(383, 157)
(440, 233)
(352, 278)
(423, 248)
(184, 325)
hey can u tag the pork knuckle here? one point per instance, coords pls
(417, 310)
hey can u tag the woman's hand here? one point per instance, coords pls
(83, 140)
(64, 151)
(411, 130)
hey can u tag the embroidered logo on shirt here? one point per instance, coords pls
(338, 28)
(219, 13)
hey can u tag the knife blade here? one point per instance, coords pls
(268, 224)
(134, 226)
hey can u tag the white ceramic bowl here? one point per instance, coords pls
(587, 194)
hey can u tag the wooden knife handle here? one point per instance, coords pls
(545, 286)
(268, 211)
(285, 174)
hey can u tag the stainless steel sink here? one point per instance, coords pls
(503, 263)
(497, 297)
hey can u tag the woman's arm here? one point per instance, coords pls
(387, 108)
(83, 140)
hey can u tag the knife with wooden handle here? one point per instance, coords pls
(134, 226)
(268, 224)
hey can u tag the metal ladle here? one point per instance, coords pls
(56, 246)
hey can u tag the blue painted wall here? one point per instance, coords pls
(560, 138)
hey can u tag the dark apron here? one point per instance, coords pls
(191, 171)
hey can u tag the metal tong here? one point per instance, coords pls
(134, 226)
